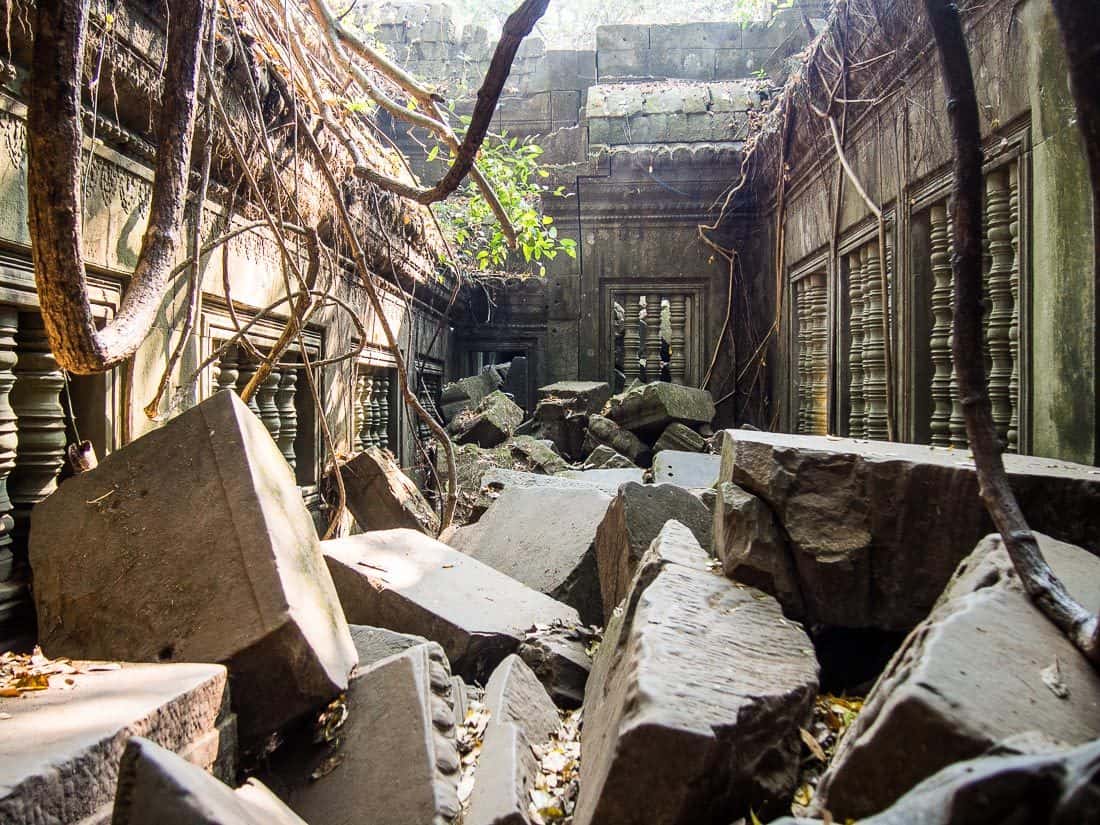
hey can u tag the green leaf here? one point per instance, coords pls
(434, 153)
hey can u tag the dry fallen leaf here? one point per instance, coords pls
(1052, 678)
(814, 746)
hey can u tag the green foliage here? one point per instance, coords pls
(512, 167)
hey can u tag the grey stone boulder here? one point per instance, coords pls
(752, 547)
(586, 396)
(492, 423)
(514, 695)
(696, 697)
(691, 470)
(392, 761)
(974, 672)
(506, 773)
(680, 437)
(467, 393)
(650, 408)
(376, 643)
(632, 522)
(558, 421)
(604, 431)
(603, 457)
(876, 529)
(545, 539)
(60, 749)
(193, 543)
(558, 656)
(408, 582)
(157, 786)
(381, 497)
(607, 480)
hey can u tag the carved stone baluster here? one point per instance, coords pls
(366, 422)
(358, 411)
(957, 422)
(375, 412)
(382, 422)
(802, 325)
(677, 320)
(999, 291)
(9, 439)
(652, 337)
(288, 413)
(855, 346)
(1014, 328)
(631, 339)
(227, 370)
(819, 381)
(874, 350)
(940, 342)
(247, 370)
(265, 399)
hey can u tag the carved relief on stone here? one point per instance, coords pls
(802, 325)
(1000, 300)
(940, 343)
(855, 346)
(819, 367)
(874, 345)
(1013, 436)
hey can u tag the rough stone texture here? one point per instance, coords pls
(398, 762)
(545, 539)
(381, 497)
(203, 524)
(603, 457)
(493, 422)
(557, 654)
(589, 396)
(506, 772)
(376, 643)
(877, 528)
(968, 676)
(680, 437)
(633, 520)
(605, 431)
(695, 700)
(514, 695)
(692, 470)
(467, 393)
(522, 454)
(157, 786)
(60, 749)
(561, 423)
(405, 581)
(650, 408)
(753, 549)
(607, 480)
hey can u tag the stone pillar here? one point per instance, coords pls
(652, 337)
(1000, 300)
(802, 324)
(382, 421)
(677, 318)
(288, 413)
(265, 400)
(227, 370)
(855, 346)
(940, 342)
(819, 369)
(874, 346)
(1013, 437)
(245, 373)
(957, 422)
(631, 340)
(13, 595)
(366, 387)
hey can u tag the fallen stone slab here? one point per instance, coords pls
(984, 666)
(376, 643)
(680, 437)
(506, 773)
(607, 480)
(514, 695)
(203, 523)
(545, 539)
(603, 457)
(558, 421)
(467, 393)
(696, 697)
(381, 497)
(876, 529)
(393, 761)
(157, 786)
(650, 408)
(60, 748)
(491, 423)
(406, 581)
(604, 431)
(633, 521)
(691, 470)
(752, 548)
(558, 656)
(496, 480)
(587, 396)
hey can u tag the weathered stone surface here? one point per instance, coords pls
(652, 407)
(692, 470)
(752, 548)
(557, 655)
(523, 454)
(203, 523)
(632, 522)
(695, 700)
(396, 754)
(506, 772)
(680, 437)
(514, 695)
(876, 529)
(60, 749)
(605, 431)
(157, 786)
(376, 643)
(603, 457)
(559, 422)
(405, 581)
(493, 422)
(499, 480)
(969, 675)
(588, 396)
(607, 480)
(467, 393)
(381, 497)
(545, 539)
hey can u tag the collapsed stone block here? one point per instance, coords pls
(393, 761)
(632, 522)
(376, 643)
(467, 393)
(605, 431)
(985, 665)
(60, 749)
(506, 773)
(492, 422)
(680, 437)
(558, 655)
(406, 581)
(607, 480)
(515, 696)
(603, 457)
(155, 785)
(696, 697)
(586, 396)
(557, 421)
(650, 408)
(193, 544)
(692, 470)
(381, 497)
(545, 539)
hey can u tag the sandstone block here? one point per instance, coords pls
(376, 643)
(514, 695)
(680, 437)
(605, 431)
(557, 655)
(406, 581)
(558, 421)
(603, 457)
(696, 697)
(381, 497)
(203, 523)
(607, 480)
(652, 407)
(632, 522)
(493, 422)
(587, 396)
(505, 775)
(467, 393)
(691, 470)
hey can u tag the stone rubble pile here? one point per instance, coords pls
(215, 662)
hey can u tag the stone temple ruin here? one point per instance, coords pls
(715, 551)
